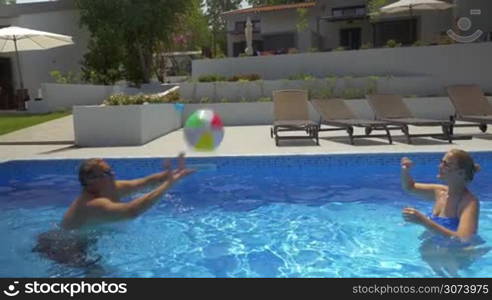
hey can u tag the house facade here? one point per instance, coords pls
(60, 17)
(346, 24)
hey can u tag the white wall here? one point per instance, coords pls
(279, 21)
(65, 96)
(37, 65)
(236, 114)
(442, 65)
(479, 22)
(129, 125)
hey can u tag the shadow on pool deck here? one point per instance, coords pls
(31, 143)
(55, 139)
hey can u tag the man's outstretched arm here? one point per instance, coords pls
(115, 211)
(129, 186)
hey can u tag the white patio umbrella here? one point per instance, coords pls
(410, 6)
(248, 32)
(15, 39)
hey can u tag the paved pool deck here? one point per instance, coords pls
(55, 140)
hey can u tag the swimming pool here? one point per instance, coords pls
(265, 216)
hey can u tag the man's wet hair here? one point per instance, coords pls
(88, 168)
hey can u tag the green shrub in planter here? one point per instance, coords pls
(302, 76)
(211, 78)
(353, 93)
(392, 44)
(420, 43)
(122, 99)
(244, 77)
(66, 78)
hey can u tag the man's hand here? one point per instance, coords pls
(178, 174)
(414, 216)
(181, 171)
(406, 163)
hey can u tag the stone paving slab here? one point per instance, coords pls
(55, 140)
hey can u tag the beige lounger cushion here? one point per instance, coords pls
(469, 100)
(290, 105)
(333, 109)
(388, 106)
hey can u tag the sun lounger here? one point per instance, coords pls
(291, 114)
(335, 113)
(470, 105)
(391, 108)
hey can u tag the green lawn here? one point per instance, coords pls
(9, 123)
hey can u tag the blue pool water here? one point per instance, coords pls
(289, 216)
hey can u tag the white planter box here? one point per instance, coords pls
(130, 125)
(443, 65)
(65, 96)
(341, 86)
(97, 126)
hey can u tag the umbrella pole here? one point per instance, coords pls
(21, 96)
(18, 64)
(411, 22)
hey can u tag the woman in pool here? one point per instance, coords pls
(451, 242)
(456, 209)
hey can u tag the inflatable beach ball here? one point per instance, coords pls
(204, 130)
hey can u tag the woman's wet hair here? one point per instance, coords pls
(465, 162)
(88, 168)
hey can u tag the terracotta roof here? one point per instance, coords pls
(268, 8)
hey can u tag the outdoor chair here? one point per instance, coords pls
(391, 108)
(470, 105)
(336, 113)
(291, 114)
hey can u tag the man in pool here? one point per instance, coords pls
(99, 203)
(100, 198)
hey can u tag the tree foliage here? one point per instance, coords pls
(125, 34)
(2, 2)
(302, 19)
(191, 32)
(374, 6)
(214, 9)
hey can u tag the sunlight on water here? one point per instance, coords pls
(297, 220)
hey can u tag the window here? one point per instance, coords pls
(240, 26)
(351, 11)
(337, 12)
(256, 25)
(360, 11)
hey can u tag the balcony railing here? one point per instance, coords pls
(347, 13)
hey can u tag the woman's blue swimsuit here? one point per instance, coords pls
(449, 223)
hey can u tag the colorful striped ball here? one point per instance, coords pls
(204, 130)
